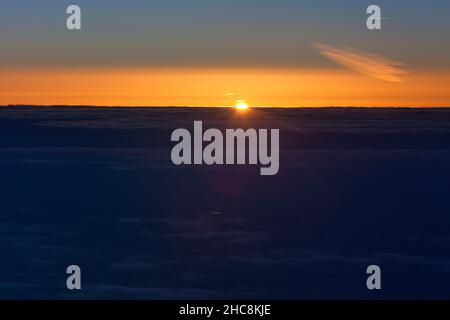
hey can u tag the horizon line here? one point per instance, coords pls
(220, 107)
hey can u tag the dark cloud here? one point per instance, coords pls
(356, 187)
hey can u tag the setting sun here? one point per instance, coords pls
(241, 105)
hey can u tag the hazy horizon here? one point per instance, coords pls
(225, 107)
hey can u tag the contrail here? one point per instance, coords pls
(363, 62)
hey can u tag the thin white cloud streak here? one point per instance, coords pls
(366, 63)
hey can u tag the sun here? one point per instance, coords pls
(241, 105)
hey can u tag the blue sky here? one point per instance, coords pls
(219, 33)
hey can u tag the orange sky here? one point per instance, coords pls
(209, 87)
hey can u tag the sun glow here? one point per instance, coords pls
(202, 87)
(241, 105)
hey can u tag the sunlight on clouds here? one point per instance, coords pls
(363, 62)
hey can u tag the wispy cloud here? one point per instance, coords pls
(366, 63)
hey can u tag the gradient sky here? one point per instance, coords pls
(270, 53)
